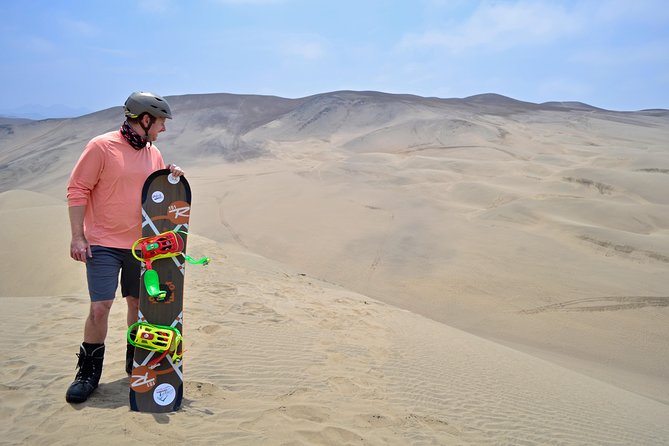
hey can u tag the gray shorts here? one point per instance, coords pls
(102, 273)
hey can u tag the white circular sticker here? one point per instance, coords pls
(157, 197)
(164, 394)
(172, 179)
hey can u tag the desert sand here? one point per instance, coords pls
(386, 269)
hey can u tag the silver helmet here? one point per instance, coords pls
(144, 102)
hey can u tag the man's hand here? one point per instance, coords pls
(175, 170)
(80, 250)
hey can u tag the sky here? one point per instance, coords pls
(60, 57)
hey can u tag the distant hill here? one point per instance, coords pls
(9, 120)
(38, 112)
(240, 127)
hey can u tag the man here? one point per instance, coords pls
(104, 201)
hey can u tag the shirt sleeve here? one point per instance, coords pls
(85, 175)
(158, 158)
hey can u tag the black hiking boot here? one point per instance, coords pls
(129, 358)
(91, 357)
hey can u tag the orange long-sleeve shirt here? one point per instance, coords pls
(108, 180)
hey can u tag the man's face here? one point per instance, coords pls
(157, 127)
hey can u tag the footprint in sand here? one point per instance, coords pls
(259, 311)
(426, 423)
(210, 329)
(343, 386)
(198, 390)
(612, 303)
(269, 418)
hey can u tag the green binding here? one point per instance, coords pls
(157, 338)
(152, 284)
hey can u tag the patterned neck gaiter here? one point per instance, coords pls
(133, 138)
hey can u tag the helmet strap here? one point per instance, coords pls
(152, 120)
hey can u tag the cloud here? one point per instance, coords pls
(249, 2)
(560, 89)
(113, 52)
(496, 25)
(303, 49)
(79, 27)
(37, 44)
(640, 11)
(644, 53)
(156, 6)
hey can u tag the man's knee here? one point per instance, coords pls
(100, 310)
(133, 302)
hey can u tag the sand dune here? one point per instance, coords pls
(277, 357)
(388, 269)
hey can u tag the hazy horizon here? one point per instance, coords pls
(36, 112)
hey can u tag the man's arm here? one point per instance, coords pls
(79, 247)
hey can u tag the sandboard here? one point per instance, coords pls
(165, 207)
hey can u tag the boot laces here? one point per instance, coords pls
(87, 368)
